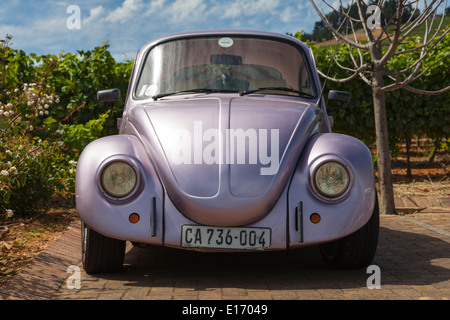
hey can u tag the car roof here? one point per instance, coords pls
(201, 33)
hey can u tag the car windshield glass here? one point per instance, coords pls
(224, 64)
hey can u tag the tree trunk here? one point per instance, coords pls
(408, 155)
(387, 205)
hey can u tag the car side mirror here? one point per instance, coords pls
(108, 95)
(339, 96)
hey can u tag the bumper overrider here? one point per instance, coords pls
(304, 214)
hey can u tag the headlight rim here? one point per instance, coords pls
(137, 170)
(319, 163)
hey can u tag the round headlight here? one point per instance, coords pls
(331, 179)
(119, 179)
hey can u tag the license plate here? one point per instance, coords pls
(225, 237)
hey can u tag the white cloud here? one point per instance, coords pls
(126, 12)
(243, 8)
(155, 6)
(185, 11)
(288, 14)
(96, 13)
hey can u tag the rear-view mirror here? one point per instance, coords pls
(338, 96)
(108, 95)
(225, 59)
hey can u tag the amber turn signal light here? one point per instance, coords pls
(315, 218)
(134, 218)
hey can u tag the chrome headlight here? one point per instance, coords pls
(118, 179)
(331, 179)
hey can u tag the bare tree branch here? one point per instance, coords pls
(395, 41)
(337, 34)
(361, 59)
(391, 21)
(353, 76)
(395, 38)
(424, 44)
(346, 14)
(424, 92)
(413, 13)
(429, 10)
(411, 78)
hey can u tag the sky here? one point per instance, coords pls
(51, 26)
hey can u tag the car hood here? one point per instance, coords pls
(223, 161)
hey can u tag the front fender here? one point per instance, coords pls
(343, 215)
(109, 216)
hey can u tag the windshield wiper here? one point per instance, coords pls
(199, 90)
(301, 93)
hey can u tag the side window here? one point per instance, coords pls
(305, 79)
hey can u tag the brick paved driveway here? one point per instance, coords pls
(413, 256)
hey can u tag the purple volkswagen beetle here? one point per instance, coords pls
(225, 145)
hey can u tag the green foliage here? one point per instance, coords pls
(78, 136)
(31, 168)
(78, 77)
(43, 133)
(32, 171)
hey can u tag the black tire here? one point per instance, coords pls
(356, 250)
(101, 254)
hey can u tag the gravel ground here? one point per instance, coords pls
(425, 188)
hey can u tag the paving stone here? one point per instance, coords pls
(413, 257)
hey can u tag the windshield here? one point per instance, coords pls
(224, 64)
